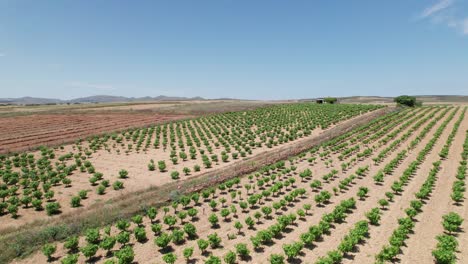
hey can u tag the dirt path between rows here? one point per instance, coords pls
(376, 192)
(124, 206)
(320, 248)
(419, 246)
(147, 252)
(142, 180)
(379, 235)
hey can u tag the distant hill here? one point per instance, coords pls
(366, 99)
(100, 99)
(115, 99)
(93, 99)
(443, 98)
(422, 98)
(30, 100)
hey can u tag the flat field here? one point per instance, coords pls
(27, 127)
(389, 190)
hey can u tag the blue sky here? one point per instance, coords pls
(233, 48)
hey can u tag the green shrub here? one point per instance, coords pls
(123, 237)
(70, 259)
(188, 252)
(169, 258)
(123, 174)
(71, 243)
(175, 175)
(108, 243)
(52, 208)
(125, 255)
(140, 234)
(242, 250)
(93, 236)
(83, 194)
(452, 222)
(276, 259)
(75, 201)
(101, 190)
(230, 257)
(118, 185)
(89, 250)
(49, 250)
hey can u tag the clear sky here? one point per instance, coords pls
(271, 49)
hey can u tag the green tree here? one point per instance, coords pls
(406, 100)
(330, 100)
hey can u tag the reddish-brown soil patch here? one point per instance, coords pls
(22, 133)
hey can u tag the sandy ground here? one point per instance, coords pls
(418, 248)
(27, 127)
(419, 244)
(379, 235)
(140, 177)
(148, 253)
(376, 192)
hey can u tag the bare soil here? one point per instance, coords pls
(140, 178)
(22, 133)
(419, 245)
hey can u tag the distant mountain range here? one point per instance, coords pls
(96, 99)
(115, 99)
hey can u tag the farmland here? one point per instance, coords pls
(36, 130)
(391, 189)
(107, 166)
(27, 127)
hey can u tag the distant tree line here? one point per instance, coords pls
(330, 100)
(406, 100)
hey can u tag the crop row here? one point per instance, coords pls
(275, 191)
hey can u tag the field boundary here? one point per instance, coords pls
(54, 143)
(23, 240)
